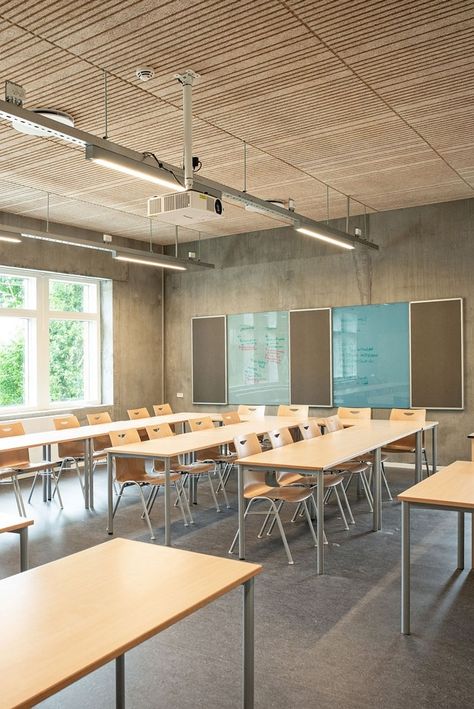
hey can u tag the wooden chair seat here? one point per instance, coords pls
(309, 480)
(352, 466)
(286, 494)
(369, 458)
(398, 448)
(28, 467)
(197, 468)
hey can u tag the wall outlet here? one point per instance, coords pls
(180, 395)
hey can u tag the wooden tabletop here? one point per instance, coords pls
(12, 523)
(453, 486)
(200, 440)
(333, 448)
(367, 423)
(43, 438)
(62, 620)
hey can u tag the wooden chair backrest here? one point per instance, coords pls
(101, 417)
(161, 430)
(251, 411)
(162, 409)
(408, 415)
(12, 458)
(138, 413)
(332, 423)
(127, 468)
(230, 417)
(309, 429)
(245, 445)
(201, 424)
(354, 413)
(71, 449)
(280, 437)
(293, 410)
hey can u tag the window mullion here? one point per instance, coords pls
(43, 343)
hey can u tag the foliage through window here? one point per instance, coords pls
(49, 340)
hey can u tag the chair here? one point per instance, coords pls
(256, 489)
(70, 453)
(407, 444)
(162, 409)
(132, 471)
(100, 442)
(251, 411)
(350, 468)
(282, 437)
(354, 413)
(189, 470)
(14, 462)
(213, 455)
(231, 417)
(300, 410)
(138, 413)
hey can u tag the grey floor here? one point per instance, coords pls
(324, 642)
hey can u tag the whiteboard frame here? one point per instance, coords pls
(299, 310)
(440, 300)
(209, 403)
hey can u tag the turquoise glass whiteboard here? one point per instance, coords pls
(258, 365)
(371, 361)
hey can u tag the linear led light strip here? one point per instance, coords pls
(324, 237)
(143, 171)
(10, 239)
(55, 240)
(148, 262)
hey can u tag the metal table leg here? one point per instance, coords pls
(460, 540)
(241, 501)
(86, 475)
(110, 494)
(418, 463)
(46, 475)
(90, 458)
(120, 682)
(320, 523)
(23, 549)
(377, 513)
(472, 540)
(248, 645)
(434, 449)
(167, 503)
(405, 595)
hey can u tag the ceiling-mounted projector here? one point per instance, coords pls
(185, 208)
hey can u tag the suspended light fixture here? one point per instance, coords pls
(10, 239)
(147, 259)
(31, 129)
(326, 236)
(144, 170)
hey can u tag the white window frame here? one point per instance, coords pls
(37, 390)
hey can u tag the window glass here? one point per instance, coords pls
(67, 359)
(67, 296)
(13, 350)
(13, 291)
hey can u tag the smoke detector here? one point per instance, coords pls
(145, 73)
(51, 113)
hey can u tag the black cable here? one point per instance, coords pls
(148, 154)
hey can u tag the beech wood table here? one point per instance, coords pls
(450, 489)
(63, 620)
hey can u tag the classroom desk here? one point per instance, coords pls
(427, 426)
(450, 489)
(67, 618)
(169, 447)
(46, 439)
(18, 525)
(317, 455)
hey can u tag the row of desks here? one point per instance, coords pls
(307, 457)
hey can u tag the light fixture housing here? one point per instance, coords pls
(10, 239)
(145, 258)
(143, 169)
(30, 129)
(328, 236)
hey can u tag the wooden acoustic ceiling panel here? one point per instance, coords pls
(364, 98)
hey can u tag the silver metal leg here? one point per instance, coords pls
(89, 472)
(167, 503)
(23, 549)
(418, 454)
(320, 516)
(377, 513)
(472, 540)
(240, 485)
(460, 540)
(248, 646)
(120, 682)
(110, 493)
(405, 591)
(434, 450)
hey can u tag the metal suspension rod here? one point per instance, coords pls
(186, 80)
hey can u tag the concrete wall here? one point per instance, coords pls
(131, 318)
(426, 252)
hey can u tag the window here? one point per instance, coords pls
(49, 340)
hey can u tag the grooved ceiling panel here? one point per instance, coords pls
(373, 98)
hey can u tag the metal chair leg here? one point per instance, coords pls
(147, 517)
(32, 487)
(222, 487)
(282, 534)
(272, 523)
(366, 487)
(186, 501)
(180, 503)
(213, 492)
(344, 520)
(56, 489)
(296, 512)
(428, 473)
(346, 502)
(385, 482)
(18, 496)
(310, 523)
(249, 505)
(117, 501)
